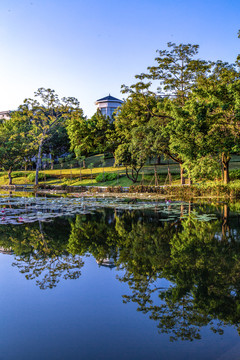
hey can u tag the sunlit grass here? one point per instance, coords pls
(72, 176)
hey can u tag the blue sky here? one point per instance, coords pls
(89, 48)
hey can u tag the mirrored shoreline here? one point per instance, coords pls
(175, 264)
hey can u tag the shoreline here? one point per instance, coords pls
(178, 192)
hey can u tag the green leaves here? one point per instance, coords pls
(14, 143)
(44, 114)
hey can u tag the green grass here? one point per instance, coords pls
(122, 181)
(71, 176)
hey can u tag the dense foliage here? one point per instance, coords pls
(183, 108)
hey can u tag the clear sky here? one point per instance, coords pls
(89, 48)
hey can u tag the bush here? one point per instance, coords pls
(234, 174)
(106, 177)
(16, 174)
(41, 176)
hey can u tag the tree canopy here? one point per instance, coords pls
(45, 113)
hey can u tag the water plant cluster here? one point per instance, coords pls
(19, 210)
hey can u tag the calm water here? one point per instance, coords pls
(119, 282)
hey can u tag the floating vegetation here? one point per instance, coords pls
(19, 210)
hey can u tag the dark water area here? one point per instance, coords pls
(113, 280)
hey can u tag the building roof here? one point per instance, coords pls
(109, 98)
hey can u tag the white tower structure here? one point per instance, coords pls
(6, 115)
(108, 105)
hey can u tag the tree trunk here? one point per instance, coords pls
(189, 208)
(183, 179)
(225, 165)
(182, 211)
(225, 216)
(51, 160)
(169, 176)
(114, 164)
(38, 161)
(155, 175)
(142, 181)
(9, 176)
(134, 175)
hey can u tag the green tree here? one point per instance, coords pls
(14, 143)
(176, 70)
(79, 132)
(212, 115)
(46, 112)
(57, 143)
(175, 73)
(96, 134)
(132, 129)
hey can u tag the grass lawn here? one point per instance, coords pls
(71, 176)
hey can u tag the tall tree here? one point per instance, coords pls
(217, 96)
(45, 113)
(96, 134)
(79, 133)
(175, 73)
(132, 130)
(176, 70)
(14, 144)
(57, 144)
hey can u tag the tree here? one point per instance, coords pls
(176, 72)
(96, 134)
(45, 113)
(14, 143)
(132, 129)
(57, 144)
(215, 113)
(79, 133)
(100, 125)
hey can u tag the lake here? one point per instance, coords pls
(86, 278)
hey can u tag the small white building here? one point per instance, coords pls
(108, 105)
(5, 115)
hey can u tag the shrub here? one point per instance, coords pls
(106, 177)
(41, 176)
(16, 174)
(234, 174)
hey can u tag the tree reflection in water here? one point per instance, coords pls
(199, 259)
(203, 267)
(41, 252)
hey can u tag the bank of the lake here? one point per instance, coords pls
(210, 190)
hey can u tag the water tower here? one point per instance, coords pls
(108, 104)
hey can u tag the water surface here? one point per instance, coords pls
(118, 280)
